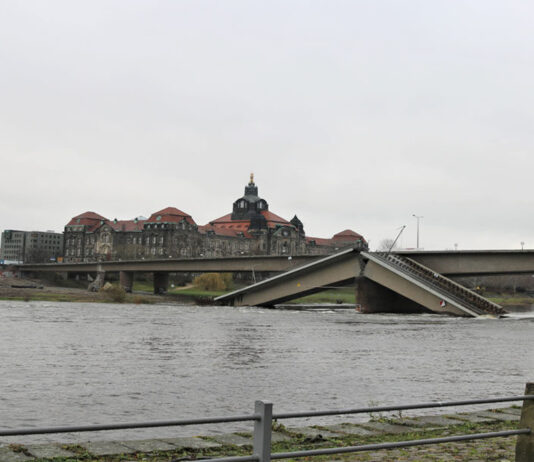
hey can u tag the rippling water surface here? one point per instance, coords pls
(70, 363)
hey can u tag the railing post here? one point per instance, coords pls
(524, 449)
(262, 431)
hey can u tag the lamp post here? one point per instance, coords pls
(417, 217)
(522, 245)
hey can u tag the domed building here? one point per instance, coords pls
(250, 229)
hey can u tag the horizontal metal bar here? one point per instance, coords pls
(398, 444)
(124, 426)
(231, 459)
(367, 410)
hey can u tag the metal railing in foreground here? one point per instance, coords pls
(263, 417)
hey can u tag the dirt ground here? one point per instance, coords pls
(41, 289)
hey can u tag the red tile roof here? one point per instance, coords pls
(348, 235)
(226, 221)
(222, 230)
(93, 221)
(90, 219)
(127, 225)
(170, 215)
(273, 219)
(223, 219)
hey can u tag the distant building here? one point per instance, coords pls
(30, 246)
(250, 229)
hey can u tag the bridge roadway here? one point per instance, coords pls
(265, 263)
(450, 263)
(474, 262)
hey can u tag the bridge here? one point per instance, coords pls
(162, 268)
(405, 281)
(400, 281)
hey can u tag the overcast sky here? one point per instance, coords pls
(351, 114)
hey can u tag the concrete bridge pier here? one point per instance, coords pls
(99, 281)
(375, 298)
(126, 279)
(161, 283)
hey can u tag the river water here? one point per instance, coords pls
(72, 363)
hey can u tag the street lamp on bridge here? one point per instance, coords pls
(417, 217)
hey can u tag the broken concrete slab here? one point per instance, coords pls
(233, 439)
(510, 410)
(312, 432)
(350, 429)
(436, 421)
(48, 451)
(7, 455)
(386, 427)
(106, 448)
(503, 416)
(277, 437)
(149, 445)
(191, 442)
(474, 417)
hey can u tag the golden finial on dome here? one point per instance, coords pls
(251, 178)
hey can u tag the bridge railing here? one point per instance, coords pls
(452, 289)
(472, 297)
(263, 417)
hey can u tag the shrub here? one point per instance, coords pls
(213, 281)
(114, 293)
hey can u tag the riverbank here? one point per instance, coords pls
(44, 290)
(288, 439)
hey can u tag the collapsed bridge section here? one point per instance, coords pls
(419, 284)
(338, 269)
(384, 282)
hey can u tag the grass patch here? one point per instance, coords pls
(143, 286)
(504, 300)
(344, 295)
(51, 297)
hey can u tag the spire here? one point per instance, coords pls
(251, 189)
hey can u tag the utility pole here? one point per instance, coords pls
(418, 217)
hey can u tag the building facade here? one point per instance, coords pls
(250, 229)
(31, 246)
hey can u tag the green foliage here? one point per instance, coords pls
(213, 281)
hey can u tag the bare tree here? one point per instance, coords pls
(387, 244)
